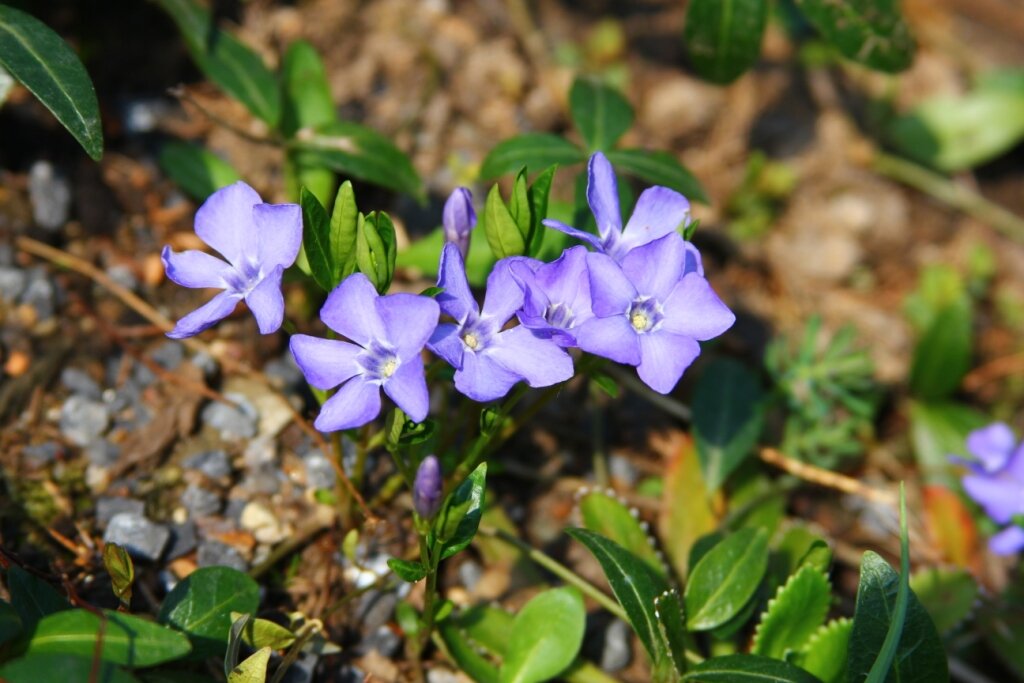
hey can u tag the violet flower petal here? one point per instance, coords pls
(692, 263)
(694, 310)
(408, 388)
(1009, 541)
(659, 211)
(504, 296)
(992, 445)
(196, 269)
(603, 197)
(355, 403)
(278, 234)
(459, 219)
(591, 239)
(225, 222)
(427, 488)
(207, 315)
(325, 363)
(663, 358)
(611, 292)
(351, 310)
(611, 337)
(539, 362)
(483, 380)
(409, 320)
(655, 268)
(1000, 498)
(267, 302)
(456, 300)
(445, 343)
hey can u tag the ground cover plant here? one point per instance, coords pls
(306, 390)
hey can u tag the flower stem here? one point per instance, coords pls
(431, 559)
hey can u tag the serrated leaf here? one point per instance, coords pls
(601, 114)
(546, 635)
(725, 579)
(503, 235)
(121, 569)
(794, 614)
(38, 58)
(407, 571)
(723, 37)
(458, 521)
(32, 598)
(226, 61)
(826, 651)
(800, 547)
(727, 418)
(316, 241)
(127, 640)
(747, 669)
(686, 511)
(533, 150)
(306, 96)
(195, 169)
(948, 595)
(606, 515)
(660, 168)
(253, 669)
(670, 612)
(871, 32)
(201, 605)
(943, 354)
(64, 668)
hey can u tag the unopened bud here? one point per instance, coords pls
(427, 489)
(459, 219)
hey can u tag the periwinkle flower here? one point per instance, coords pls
(658, 212)
(387, 334)
(996, 482)
(489, 360)
(258, 240)
(556, 297)
(650, 312)
(427, 488)
(459, 219)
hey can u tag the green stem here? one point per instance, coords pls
(431, 558)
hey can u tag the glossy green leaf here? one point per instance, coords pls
(361, 152)
(231, 654)
(260, 633)
(316, 241)
(306, 96)
(226, 60)
(376, 249)
(725, 579)
(687, 513)
(66, 668)
(747, 669)
(545, 638)
(826, 651)
(476, 639)
(459, 519)
(943, 354)
(539, 192)
(794, 614)
(635, 585)
(800, 547)
(38, 58)
(195, 169)
(32, 598)
(871, 32)
(344, 232)
(601, 114)
(127, 640)
(727, 418)
(604, 514)
(947, 594)
(723, 37)
(939, 430)
(10, 622)
(503, 234)
(253, 669)
(121, 569)
(658, 168)
(407, 571)
(201, 605)
(671, 615)
(533, 150)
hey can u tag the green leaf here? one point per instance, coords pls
(606, 515)
(61, 667)
(361, 152)
(306, 96)
(671, 615)
(800, 547)
(545, 638)
(723, 37)
(121, 569)
(687, 513)
(727, 418)
(943, 354)
(260, 633)
(316, 241)
(6, 85)
(196, 170)
(127, 640)
(947, 594)
(226, 61)
(939, 430)
(635, 585)
(871, 32)
(540, 191)
(458, 521)
(503, 234)
(747, 669)
(10, 622)
(376, 250)
(659, 168)
(475, 638)
(253, 669)
(407, 571)
(794, 614)
(38, 58)
(32, 598)
(600, 113)
(533, 150)
(726, 578)
(201, 605)
(826, 651)
(344, 232)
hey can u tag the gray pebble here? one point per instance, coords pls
(143, 539)
(200, 502)
(79, 382)
(233, 510)
(123, 276)
(102, 453)
(320, 473)
(142, 376)
(183, 540)
(107, 507)
(232, 422)
(263, 479)
(169, 355)
(40, 294)
(82, 420)
(214, 464)
(12, 283)
(206, 363)
(50, 194)
(302, 669)
(43, 453)
(619, 467)
(470, 574)
(283, 373)
(617, 653)
(383, 640)
(350, 673)
(376, 609)
(215, 553)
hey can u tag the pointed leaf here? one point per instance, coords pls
(10, 622)
(201, 605)
(601, 114)
(458, 521)
(38, 58)
(306, 96)
(475, 638)
(121, 569)
(939, 430)
(316, 241)
(260, 633)
(725, 579)
(253, 669)
(195, 169)
(943, 354)
(951, 526)
(604, 514)
(669, 610)
(546, 635)
(61, 667)
(533, 150)
(825, 654)
(539, 192)
(747, 669)
(32, 598)
(127, 640)
(407, 571)
(503, 234)
(686, 511)
(794, 614)
(727, 418)
(659, 168)
(343, 232)
(871, 32)
(723, 37)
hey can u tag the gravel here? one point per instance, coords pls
(169, 355)
(40, 294)
(80, 383)
(617, 653)
(102, 453)
(215, 553)
(233, 422)
(143, 539)
(43, 453)
(107, 507)
(200, 502)
(184, 540)
(283, 373)
(12, 283)
(320, 473)
(214, 464)
(49, 191)
(83, 420)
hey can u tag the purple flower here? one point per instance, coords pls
(459, 219)
(996, 482)
(556, 295)
(387, 334)
(658, 212)
(650, 312)
(258, 240)
(427, 489)
(489, 361)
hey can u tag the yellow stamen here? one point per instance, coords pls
(471, 340)
(639, 321)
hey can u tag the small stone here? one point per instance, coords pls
(82, 420)
(214, 464)
(617, 653)
(107, 507)
(124, 276)
(43, 453)
(264, 524)
(350, 673)
(39, 294)
(143, 539)
(102, 453)
(214, 553)
(183, 540)
(320, 473)
(233, 422)
(206, 363)
(260, 452)
(12, 283)
(283, 372)
(200, 502)
(470, 574)
(17, 363)
(263, 479)
(621, 469)
(376, 608)
(50, 194)
(79, 382)
(383, 640)
(302, 669)
(169, 355)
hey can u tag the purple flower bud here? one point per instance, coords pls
(427, 489)
(459, 219)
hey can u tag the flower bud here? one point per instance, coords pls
(427, 489)
(459, 219)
